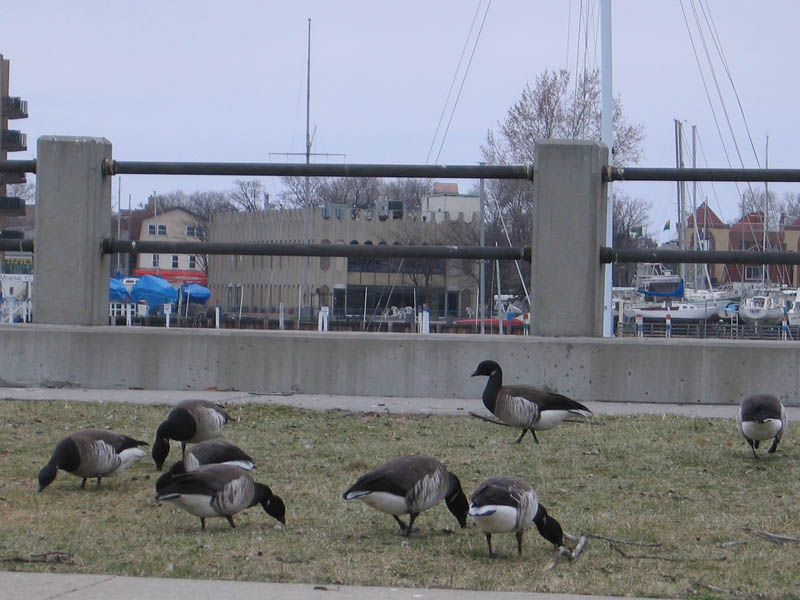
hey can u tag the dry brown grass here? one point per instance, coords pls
(688, 485)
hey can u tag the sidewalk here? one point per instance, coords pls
(46, 586)
(394, 405)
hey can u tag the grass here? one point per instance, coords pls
(689, 485)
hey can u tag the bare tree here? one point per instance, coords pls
(630, 221)
(249, 195)
(26, 191)
(408, 191)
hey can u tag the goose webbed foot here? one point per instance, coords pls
(400, 522)
(230, 520)
(774, 446)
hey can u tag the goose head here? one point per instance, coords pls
(160, 451)
(47, 475)
(271, 503)
(487, 368)
(457, 502)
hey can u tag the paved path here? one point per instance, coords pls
(48, 586)
(444, 406)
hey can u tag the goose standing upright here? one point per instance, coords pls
(207, 453)
(92, 453)
(503, 504)
(190, 421)
(220, 491)
(524, 406)
(762, 417)
(410, 485)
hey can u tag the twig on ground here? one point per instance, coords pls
(652, 556)
(714, 588)
(772, 537)
(615, 541)
(490, 420)
(564, 551)
(47, 557)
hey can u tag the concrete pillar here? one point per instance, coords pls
(569, 227)
(73, 212)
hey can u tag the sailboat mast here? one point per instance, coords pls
(607, 124)
(764, 276)
(681, 210)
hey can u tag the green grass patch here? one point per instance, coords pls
(688, 486)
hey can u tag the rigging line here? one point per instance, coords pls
(516, 262)
(712, 27)
(464, 79)
(577, 59)
(716, 85)
(569, 28)
(453, 82)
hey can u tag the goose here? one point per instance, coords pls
(220, 491)
(523, 406)
(410, 485)
(761, 417)
(91, 453)
(190, 421)
(207, 453)
(503, 504)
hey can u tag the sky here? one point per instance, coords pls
(213, 81)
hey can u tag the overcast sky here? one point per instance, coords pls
(213, 81)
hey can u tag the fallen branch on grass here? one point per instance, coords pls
(651, 556)
(772, 537)
(622, 542)
(564, 551)
(48, 557)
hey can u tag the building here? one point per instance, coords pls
(170, 225)
(11, 140)
(353, 288)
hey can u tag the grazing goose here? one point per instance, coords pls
(410, 484)
(220, 491)
(207, 453)
(503, 504)
(190, 421)
(91, 453)
(762, 417)
(523, 406)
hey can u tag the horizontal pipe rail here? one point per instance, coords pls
(676, 174)
(116, 167)
(16, 245)
(110, 246)
(722, 257)
(17, 166)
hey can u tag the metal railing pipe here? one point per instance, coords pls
(17, 166)
(677, 174)
(117, 167)
(16, 245)
(110, 246)
(726, 257)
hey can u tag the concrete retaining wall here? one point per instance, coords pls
(405, 365)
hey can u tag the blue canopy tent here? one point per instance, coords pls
(194, 292)
(117, 292)
(154, 290)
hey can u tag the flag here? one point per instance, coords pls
(666, 225)
(637, 231)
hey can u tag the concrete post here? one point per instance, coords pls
(569, 227)
(73, 212)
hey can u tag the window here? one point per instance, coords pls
(190, 231)
(174, 261)
(155, 260)
(192, 261)
(162, 230)
(151, 229)
(752, 273)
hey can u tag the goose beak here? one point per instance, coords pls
(475, 374)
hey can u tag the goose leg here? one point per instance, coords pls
(183, 449)
(230, 520)
(535, 439)
(202, 522)
(400, 522)
(83, 483)
(489, 543)
(521, 435)
(752, 447)
(97, 486)
(519, 542)
(774, 446)
(411, 518)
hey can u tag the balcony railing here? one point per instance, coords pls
(13, 141)
(15, 108)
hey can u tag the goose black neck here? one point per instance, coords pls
(492, 389)
(179, 426)
(66, 455)
(548, 527)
